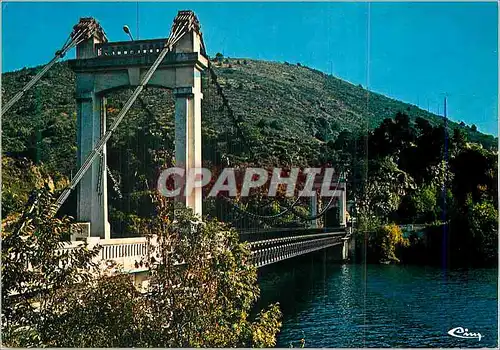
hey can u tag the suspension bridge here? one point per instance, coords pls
(179, 64)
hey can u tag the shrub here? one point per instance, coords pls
(201, 292)
(386, 241)
(483, 226)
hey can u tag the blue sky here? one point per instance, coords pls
(417, 51)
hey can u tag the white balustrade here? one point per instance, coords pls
(126, 252)
(128, 48)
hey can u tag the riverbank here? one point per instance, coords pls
(444, 246)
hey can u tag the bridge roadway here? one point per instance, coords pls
(267, 247)
(128, 254)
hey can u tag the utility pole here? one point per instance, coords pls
(445, 243)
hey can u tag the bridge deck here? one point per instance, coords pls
(267, 246)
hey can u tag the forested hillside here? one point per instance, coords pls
(254, 112)
(276, 103)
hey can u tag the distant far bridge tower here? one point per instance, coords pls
(102, 67)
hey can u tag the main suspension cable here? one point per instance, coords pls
(74, 39)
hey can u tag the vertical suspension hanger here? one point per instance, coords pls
(38, 133)
(101, 155)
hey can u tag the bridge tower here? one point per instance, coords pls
(101, 67)
(340, 202)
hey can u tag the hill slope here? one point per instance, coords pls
(302, 99)
(279, 105)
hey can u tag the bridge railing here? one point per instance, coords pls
(130, 253)
(128, 48)
(127, 252)
(269, 251)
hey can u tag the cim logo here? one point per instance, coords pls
(460, 332)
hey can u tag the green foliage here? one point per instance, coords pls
(202, 287)
(36, 271)
(483, 225)
(368, 224)
(41, 127)
(382, 191)
(276, 125)
(476, 174)
(421, 206)
(19, 178)
(384, 243)
(459, 141)
(215, 280)
(405, 176)
(105, 311)
(425, 201)
(219, 57)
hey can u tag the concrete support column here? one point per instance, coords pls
(314, 209)
(342, 209)
(188, 140)
(92, 194)
(345, 250)
(352, 246)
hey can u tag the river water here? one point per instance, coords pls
(353, 305)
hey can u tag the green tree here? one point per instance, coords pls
(384, 188)
(203, 269)
(459, 141)
(219, 57)
(483, 226)
(384, 243)
(202, 287)
(475, 172)
(36, 269)
(420, 206)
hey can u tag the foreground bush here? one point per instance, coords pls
(201, 293)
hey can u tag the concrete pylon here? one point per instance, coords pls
(188, 140)
(92, 194)
(343, 204)
(102, 67)
(314, 210)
